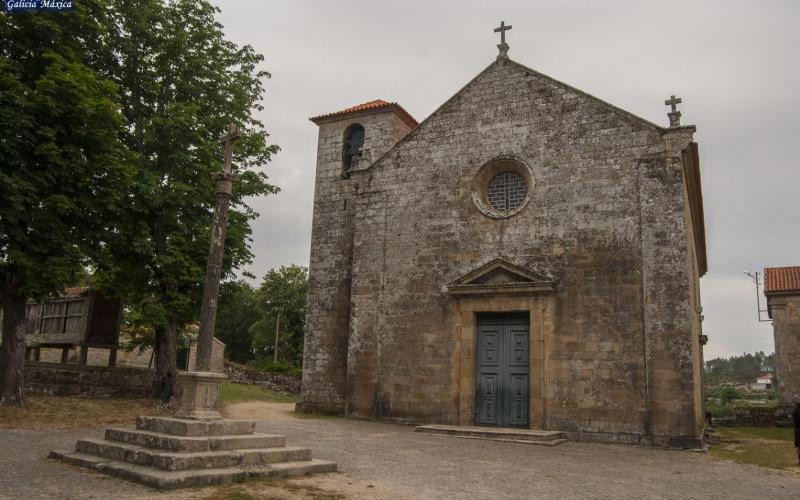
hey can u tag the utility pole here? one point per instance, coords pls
(755, 278)
(277, 332)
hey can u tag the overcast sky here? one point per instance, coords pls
(734, 63)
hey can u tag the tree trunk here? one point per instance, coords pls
(166, 378)
(12, 351)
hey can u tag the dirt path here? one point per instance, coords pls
(260, 411)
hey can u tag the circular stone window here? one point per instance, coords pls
(502, 187)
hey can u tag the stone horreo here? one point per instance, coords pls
(528, 256)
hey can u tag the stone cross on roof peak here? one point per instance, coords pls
(674, 115)
(503, 46)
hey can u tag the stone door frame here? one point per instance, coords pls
(521, 291)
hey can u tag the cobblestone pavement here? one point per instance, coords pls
(378, 460)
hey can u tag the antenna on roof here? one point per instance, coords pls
(754, 277)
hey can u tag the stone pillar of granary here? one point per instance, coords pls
(670, 275)
(349, 142)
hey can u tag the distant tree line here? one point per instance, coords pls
(249, 318)
(738, 370)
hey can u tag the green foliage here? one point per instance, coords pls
(139, 332)
(282, 290)
(718, 409)
(181, 83)
(65, 170)
(738, 369)
(237, 311)
(727, 394)
(721, 401)
(268, 365)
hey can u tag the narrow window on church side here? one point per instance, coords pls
(353, 144)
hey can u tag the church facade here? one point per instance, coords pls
(527, 256)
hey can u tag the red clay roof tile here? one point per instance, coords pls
(782, 279)
(367, 106)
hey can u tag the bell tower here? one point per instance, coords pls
(349, 141)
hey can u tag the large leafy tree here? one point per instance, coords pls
(64, 173)
(181, 83)
(282, 293)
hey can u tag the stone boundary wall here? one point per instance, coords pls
(94, 381)
(752, 416)
(281, 382)
(679, 442)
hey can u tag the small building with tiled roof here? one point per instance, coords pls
(779, 280)
(526, 256)
(782, 289)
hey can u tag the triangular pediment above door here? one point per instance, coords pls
(501, 276)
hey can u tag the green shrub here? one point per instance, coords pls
(727, 394)
(719, 409)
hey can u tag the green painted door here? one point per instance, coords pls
(503, 370)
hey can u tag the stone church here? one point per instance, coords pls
(527, 256)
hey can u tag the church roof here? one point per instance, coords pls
(782, 279)
(370, 106)
(638, 119)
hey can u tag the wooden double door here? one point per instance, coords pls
(503, 370)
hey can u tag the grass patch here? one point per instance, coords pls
(71, 412)
(237, 393)
(767, 433)
(771, 447)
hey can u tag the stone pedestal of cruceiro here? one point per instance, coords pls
(199, 394)
(196, 447)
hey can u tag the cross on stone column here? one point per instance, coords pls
(503, 46)
(208, 309)
(200, 388)
(674, 115)
(227, 140)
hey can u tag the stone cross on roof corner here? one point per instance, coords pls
(503, 46)
(674, 115)
(228, 139)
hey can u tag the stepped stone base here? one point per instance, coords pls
(174, 452)
(506, 435)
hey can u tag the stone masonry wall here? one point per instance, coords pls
(786, 327)
(280, 382)
(328, 318)
(606, 219)
(69, 380)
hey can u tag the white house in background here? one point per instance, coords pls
(763, 382)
